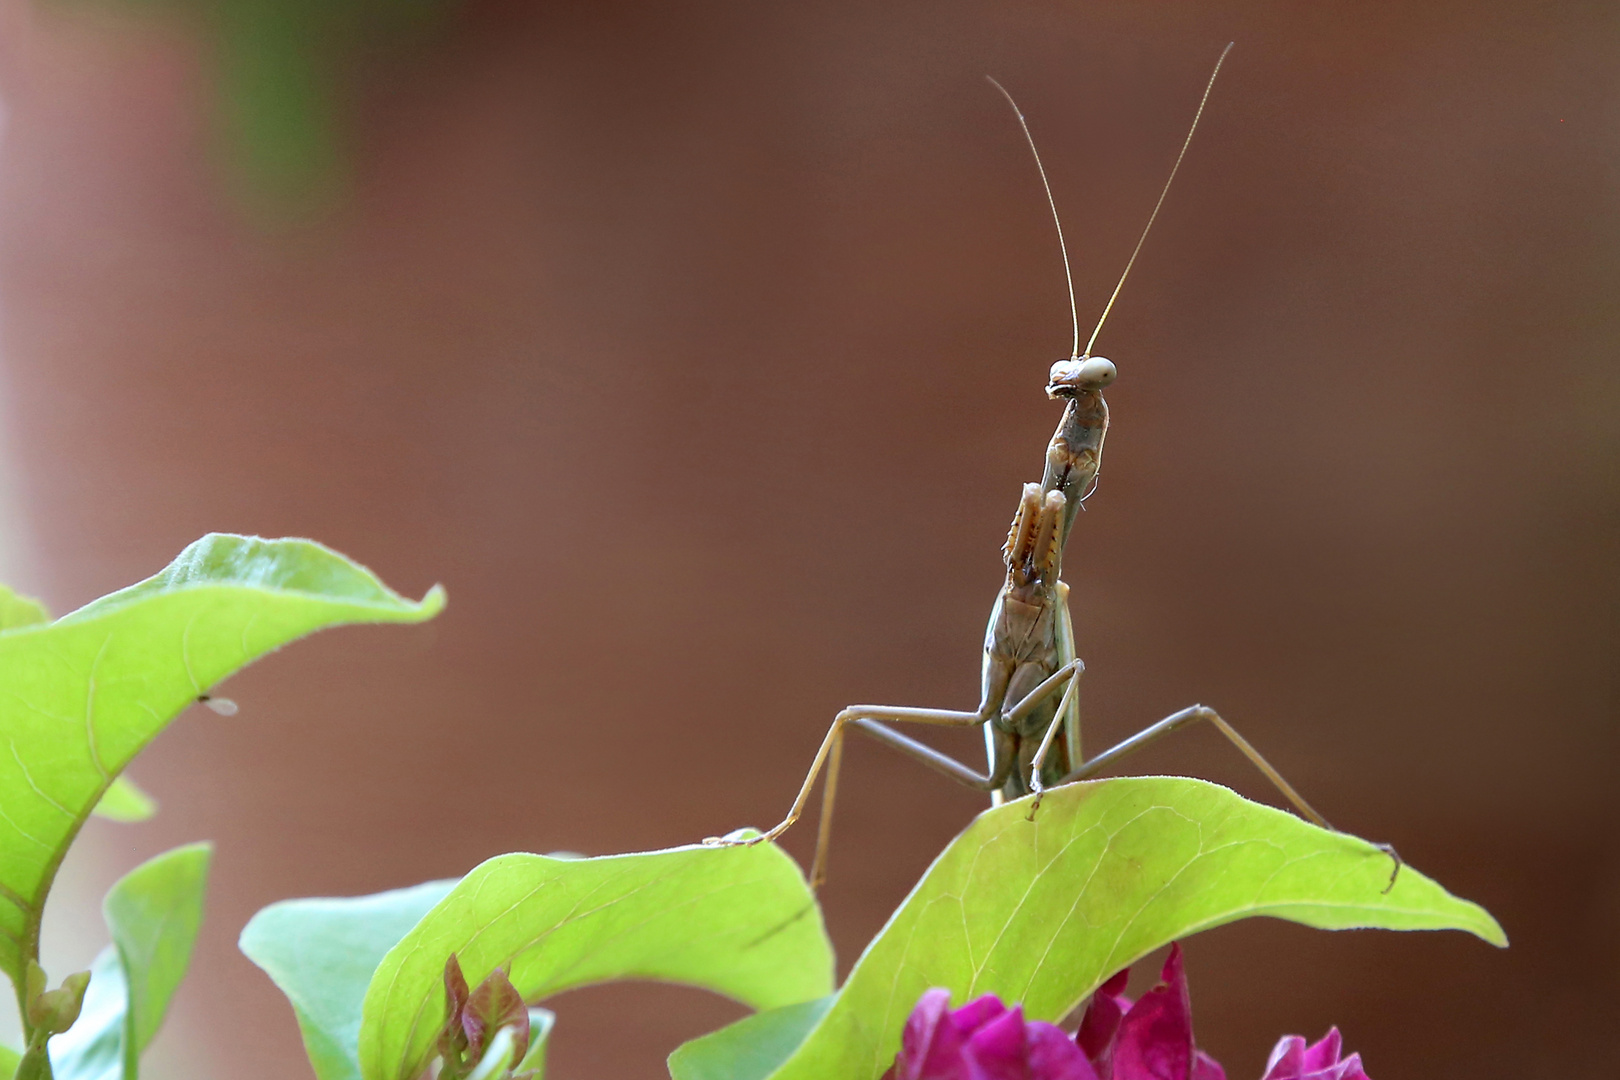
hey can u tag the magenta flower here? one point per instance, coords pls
(983, 1040)
(1151, 1039)
(1293, 1060)
(1148, 1039)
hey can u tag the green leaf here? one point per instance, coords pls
(753, 1047)
(9, 1060)
(34, 1064)
(154, 912)
(84, 694)
(739, 921)
(18, 611)
(541, 1022)
(1042, 912)
(124, 802)
(322, 953)
(96, 1047)
(497, 1060)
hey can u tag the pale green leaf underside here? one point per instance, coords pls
(125, 802)
(17, 610)
(81, 696)
(322, 953)
(1042, 912)
(751, 1048)
(541, 1021)
(153, 912)
(739, 921)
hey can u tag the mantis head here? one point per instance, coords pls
(1078, 375)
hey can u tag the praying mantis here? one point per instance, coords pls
(1029, 706)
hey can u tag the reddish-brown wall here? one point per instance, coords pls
(698, 350)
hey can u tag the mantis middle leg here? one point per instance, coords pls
(1192, 715)
(867, 718)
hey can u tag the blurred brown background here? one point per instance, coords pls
(698, 349)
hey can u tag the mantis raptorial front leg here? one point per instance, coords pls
(1037, 788)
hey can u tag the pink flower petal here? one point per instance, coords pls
(1206, 1068)
(1291, 1059)
(998, 1048)
(1323, 1053)
(1287, 1058)
(1100, 1024)
(1115, 986)
(1350, 1069)
(1055, 1056)
(978, 1012)
(1155, 1039)
(983, 1040)
(931, 1046)
(1150, 1039)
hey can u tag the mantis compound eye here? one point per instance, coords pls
(1096, 371)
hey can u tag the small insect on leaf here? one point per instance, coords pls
(224, 706)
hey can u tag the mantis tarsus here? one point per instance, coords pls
(1029, 707)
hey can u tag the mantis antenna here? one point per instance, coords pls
(1197, 116)
(1074, 312)
(1063, 247)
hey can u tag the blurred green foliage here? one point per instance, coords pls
(285, 71)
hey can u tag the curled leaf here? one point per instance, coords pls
(496, 1006)
(86, 693)
(54, 1011)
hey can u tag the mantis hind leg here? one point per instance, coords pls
(1192, 715)
(830, 755)
(1006, 761)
